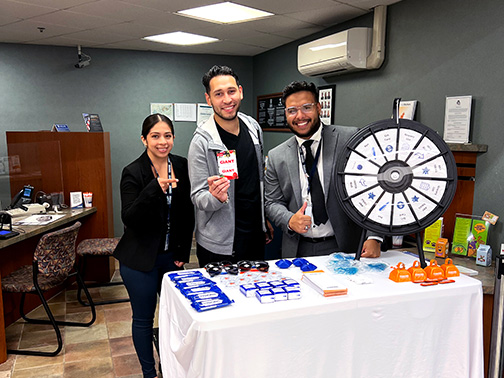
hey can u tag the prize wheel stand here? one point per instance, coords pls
(395, 177)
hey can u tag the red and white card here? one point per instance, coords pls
(227, 164)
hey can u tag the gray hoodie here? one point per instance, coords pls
(215, 220)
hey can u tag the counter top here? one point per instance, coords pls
(26, 232)
(461, 147)
(486, 274)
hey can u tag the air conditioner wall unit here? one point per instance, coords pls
(338, 53)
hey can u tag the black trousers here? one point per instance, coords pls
(246, 246)
(306, 249)
(143, 289)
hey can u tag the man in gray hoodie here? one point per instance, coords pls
(230, 220)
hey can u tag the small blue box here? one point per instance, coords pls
(291, 283)
(277, 283)
(292, 292)
(265, 296)
(248, 290)
(263, 285)
(279, 293)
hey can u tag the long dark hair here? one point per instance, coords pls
(153, 119)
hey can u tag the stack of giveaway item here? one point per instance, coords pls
(203, 293)
(323, 283)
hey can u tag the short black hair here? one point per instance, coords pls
(152, 120)
(298, 86)
(218, 71)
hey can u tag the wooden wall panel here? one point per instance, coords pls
(464, 195)
(85, 166)
(70, 162)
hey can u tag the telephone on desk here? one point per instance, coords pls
(24, 196)
(21, 204)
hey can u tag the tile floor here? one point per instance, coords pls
(104, 350)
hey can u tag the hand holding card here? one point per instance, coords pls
(218, 187)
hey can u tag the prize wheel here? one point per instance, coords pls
(395, 177)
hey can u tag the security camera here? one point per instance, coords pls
(84, 60)
(82, 64)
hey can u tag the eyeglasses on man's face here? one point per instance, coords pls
(291, 111)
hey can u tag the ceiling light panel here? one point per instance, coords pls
(225, 13)
(180, 38)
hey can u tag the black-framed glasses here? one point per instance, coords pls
(291, 111)
(216, 268)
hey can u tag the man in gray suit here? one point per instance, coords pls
(300, 182)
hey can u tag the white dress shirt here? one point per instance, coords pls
(324, 229)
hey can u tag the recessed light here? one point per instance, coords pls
(180, 38)
(225, 13)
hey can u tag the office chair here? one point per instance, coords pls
(97, 247)
(53, 263)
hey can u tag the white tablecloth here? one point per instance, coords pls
(383, 329)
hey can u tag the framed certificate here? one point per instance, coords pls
(457, 119)
(271, 112)
(327, 100)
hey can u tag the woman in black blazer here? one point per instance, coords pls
(158, 218)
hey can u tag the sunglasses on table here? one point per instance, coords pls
(215, 268)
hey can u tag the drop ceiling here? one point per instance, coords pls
(120, 24)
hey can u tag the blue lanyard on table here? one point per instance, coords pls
(168, 200)
(314, 166)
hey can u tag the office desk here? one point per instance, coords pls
(16, 251)
(384, 329)
(70, 215)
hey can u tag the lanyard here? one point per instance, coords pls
(314, 166)
(169, 191)
(168, 200)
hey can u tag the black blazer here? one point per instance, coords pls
(144, 212)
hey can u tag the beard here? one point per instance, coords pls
(312, 130)
(227, 117)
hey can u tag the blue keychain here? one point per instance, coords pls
(283, 263)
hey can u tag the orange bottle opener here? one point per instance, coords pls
(449, 269)
(417, 273)
(400, 274)
(434, 272)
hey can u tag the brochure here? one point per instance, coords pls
(468, 235)
(324, 283)
(407, 109)
(432, 234)
(92, 122)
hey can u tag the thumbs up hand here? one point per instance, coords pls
(300, 222)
